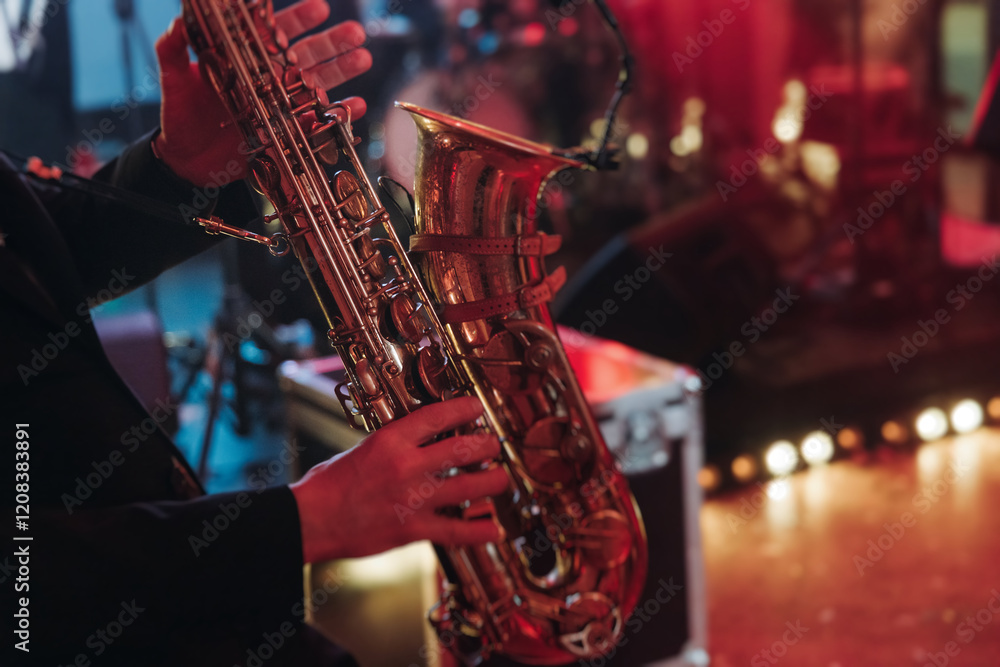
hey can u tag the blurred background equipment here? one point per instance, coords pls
(805, 214)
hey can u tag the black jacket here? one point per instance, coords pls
(128, 562)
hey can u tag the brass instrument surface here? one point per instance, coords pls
(561, 585)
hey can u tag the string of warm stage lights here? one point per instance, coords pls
(820, 447)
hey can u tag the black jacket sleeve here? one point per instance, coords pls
(131, 566)
(106, 236)
(232, 562)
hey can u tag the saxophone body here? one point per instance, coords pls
(462, 311)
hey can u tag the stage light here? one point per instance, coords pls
(781, 458)
(850, 438)
(821, 163)
(678, 148)
(817, 448)
(534, 34)
(689, 141)
(778, 489)
(488, 43)
(932, 424)
(789, 120)
(468, 18)
(637, 146)
(966, 416)
(787, 129)
(391, 568)
(692, 137)
(568, 27)
(694, 107)
(796, 92)
(993, 407)
(709, 478)
(597, 128)
(894, 433)
(744, 468)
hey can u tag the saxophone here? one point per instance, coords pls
(462, 312)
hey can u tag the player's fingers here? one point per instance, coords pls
(470, 486)
(427, 422)
(458, 451)
(329, 44)
(302, 17)
(339, 70)
(457, 532)
(172, 50)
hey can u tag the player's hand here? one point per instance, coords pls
(384, 492)
(192, 141)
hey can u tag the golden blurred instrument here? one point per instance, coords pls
(463, 312)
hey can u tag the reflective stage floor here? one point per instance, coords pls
(892, 561)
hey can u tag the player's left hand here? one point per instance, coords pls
(193, 141)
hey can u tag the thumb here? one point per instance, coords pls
(172, 50)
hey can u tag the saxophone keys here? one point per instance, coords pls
(408, 318)
(278, 44)
(366, 376)
(350, 198)
(539, 356)
(373, 261)
(542, 453)
(577, 447)
(555, 453)
(503, 364)
(324, 145)
(348, 402)
(603, 538)
(217, 71)
(599, 622)
(315, 89)
(433, 371)
(264, 175)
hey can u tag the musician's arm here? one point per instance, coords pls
(200, 151)
(226, 561)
